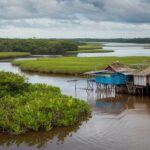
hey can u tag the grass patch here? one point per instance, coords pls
(95, 51)
(75, 65)
(4, 55)
(147, 47)
(90, 46)
(88, 51)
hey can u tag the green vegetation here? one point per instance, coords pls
(96, 51)
(118, 40)
(75, 65)
(4, 55)
(40, 139)
(31, 107)
(88, 51)
(45, 46)
(89, 48)
(37, 46)
(147, 47)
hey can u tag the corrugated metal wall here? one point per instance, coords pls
(115, 79)
(140, 80)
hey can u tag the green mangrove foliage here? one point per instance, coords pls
(118, 40)
(35, 106)
(11, 84)
(37, 46)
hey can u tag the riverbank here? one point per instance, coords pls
(7, 55)
(88, 51)
(75, 65)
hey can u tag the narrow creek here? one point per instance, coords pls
(119, 123)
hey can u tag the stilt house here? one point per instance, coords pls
(122, 78)
(114, 74)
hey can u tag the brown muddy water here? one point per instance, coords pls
(118, 122)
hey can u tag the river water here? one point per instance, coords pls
(120, 49)
(118, 122)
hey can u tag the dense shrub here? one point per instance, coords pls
(38, 106)
(11, 83)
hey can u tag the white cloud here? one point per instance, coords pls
(74, 18)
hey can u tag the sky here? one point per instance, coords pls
(74, 18)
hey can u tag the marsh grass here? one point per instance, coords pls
(4, 55)
(75, 65)
(89, 51)
(90, 46)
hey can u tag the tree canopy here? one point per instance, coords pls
(37, 46)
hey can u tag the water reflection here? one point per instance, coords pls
(40, 139)
(111, 107)
(107, 101)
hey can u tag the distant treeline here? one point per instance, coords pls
(38, 46)
(120, 40)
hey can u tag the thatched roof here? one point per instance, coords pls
(144, 72)
(114, 68)
(120, 68)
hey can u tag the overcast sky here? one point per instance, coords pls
(74, 18)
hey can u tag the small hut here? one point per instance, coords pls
(113, 74)
(142, 77)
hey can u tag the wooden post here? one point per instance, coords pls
(147, 90)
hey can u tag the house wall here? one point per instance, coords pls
(140, 80)
(116, 79)
(119, 79)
